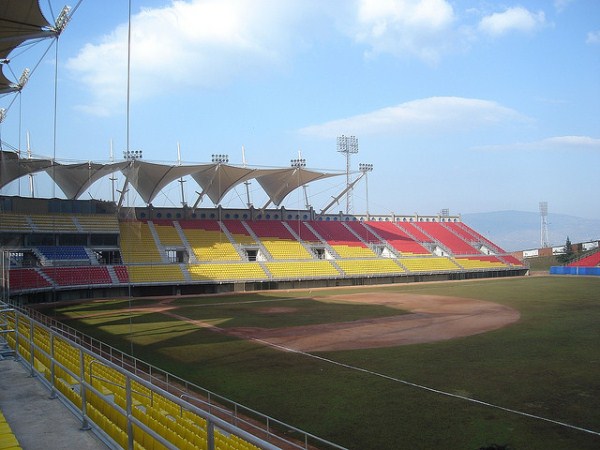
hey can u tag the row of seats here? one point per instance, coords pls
(8, 441)
(137, 243)
(45, 277)
(592, 260)
(349, 240)
(90, 223)
(63, 252)
(447, 238)
(106, 408)
(480, 262)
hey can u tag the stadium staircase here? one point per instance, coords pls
(186, 243)
(159, 246)
(298, 238)
(266, 254)
(437, 248)
(232, 240)
(382, 242)
(322, 241)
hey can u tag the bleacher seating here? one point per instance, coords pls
(278, 241)
(27, 278)
(227, 271)
(97, 223)
(208, 241)
(11, 222)
(428, 264)
(480, 262)
(219, 251)
(155, 273)
(447, 238)
(365, 233)
(239, 232)
(121, 273)
(301, 269)
(167, 233)
(8, 440)
(56, 223)
(78, 276)
(591, 260)
(510, 259)
(64, 253)
(398, 238)
(137, 243)
(383, 266)
(477, 236)
(342, 240)
(106, 402)
(303, 232)
(412, 230)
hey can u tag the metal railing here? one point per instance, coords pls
(255, 427)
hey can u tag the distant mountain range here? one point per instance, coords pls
(520, 230)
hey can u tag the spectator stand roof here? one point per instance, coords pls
(22, 21)
(149, 178)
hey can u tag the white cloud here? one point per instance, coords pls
(558, 143)
(199, 43)
(513, 19)
(405, 27)
(593, 38)
(561, 5)
(445, 114)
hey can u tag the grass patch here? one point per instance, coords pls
(546, 364)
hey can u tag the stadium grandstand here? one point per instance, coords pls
(58, 249)
(69, 248)
(588, 263)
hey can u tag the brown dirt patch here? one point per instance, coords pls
(432, 318)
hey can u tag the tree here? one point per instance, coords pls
(568, 255)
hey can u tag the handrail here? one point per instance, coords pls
(169, 383)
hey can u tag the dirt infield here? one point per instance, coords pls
(432, 318)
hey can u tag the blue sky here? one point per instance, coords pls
(469, 105)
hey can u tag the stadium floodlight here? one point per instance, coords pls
(62, 20)
(365, 169)
(298, 163)
(132, 155)
(220, 158)
(347, 145)
(23, 79)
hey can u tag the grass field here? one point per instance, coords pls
(547, 364)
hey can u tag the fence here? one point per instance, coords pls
(131, 404)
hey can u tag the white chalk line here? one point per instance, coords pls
(426, 388)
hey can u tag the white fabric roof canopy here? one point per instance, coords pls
(74, 179)
(20, 21)
(148, 179)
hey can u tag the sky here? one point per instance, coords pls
(471, 106)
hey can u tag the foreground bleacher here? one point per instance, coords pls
(130, 404)
(76, 252)
(8, 440)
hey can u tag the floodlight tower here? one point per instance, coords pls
(544, 225)
(299, 163)
(347, 145)
(365, 168)
(131, 156)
